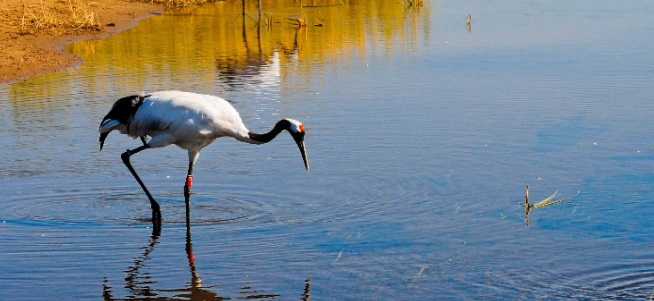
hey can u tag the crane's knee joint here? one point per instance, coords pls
(125, 156)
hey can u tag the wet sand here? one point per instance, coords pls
(27, 51)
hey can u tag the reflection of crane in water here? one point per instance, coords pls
(141, 284)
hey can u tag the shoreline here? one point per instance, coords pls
(32, 54)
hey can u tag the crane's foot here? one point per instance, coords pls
(156, 219)
(156, 216)
(156, 223)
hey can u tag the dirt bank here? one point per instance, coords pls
(34, 32)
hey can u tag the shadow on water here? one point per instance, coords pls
(142, 287)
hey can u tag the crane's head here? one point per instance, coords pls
(296, 129)
(120, 115)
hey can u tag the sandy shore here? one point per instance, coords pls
(34, 32)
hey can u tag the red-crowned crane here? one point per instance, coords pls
(188, 120)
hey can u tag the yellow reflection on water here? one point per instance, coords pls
(226, 42)
(221, 36)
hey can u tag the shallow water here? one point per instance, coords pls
(422, 135)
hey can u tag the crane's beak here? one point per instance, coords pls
(304, 154)
(299, 139)
(102, 137)
(106, 127)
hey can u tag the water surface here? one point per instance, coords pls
(422, 135)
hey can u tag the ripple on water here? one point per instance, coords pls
(126, 205)
(596, 277)
(631, 280)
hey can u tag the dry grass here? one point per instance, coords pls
(71, 18)
(170, 4)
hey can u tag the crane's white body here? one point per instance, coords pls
(188, 120)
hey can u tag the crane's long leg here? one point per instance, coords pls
(187, 193)
(192, 157)
(156, 212)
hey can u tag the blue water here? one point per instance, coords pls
(420, 150)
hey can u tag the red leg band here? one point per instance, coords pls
(189, 180)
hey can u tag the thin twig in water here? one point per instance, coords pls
(339, 256)
(422, 269)
(544, 203)
(547, 202)
(541, 203)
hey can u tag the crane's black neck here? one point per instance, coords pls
(267, 137)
